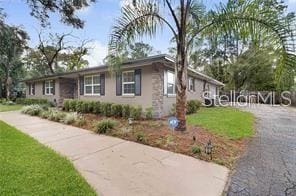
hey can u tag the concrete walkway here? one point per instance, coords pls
(117, 167)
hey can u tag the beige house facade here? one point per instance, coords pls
(149, 82)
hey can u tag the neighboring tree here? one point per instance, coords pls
(41, 9)
(12, 44)
(139, 50)
(51, 48)
(145, 16)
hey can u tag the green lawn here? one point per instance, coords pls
(5, 108)
(29, 168)
(225, 121)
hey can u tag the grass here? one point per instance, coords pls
(225, 121)
(29, 168)
(5, 108)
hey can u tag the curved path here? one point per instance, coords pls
(269, 165)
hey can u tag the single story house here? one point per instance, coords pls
(149, 82)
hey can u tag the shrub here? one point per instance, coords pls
(136, 112)
(67, 105)
(33, 110)
(195, 149)
(106, 109)
(26, 101)
(140, 137)
(79, 106)
(45, 114)
(70, 118)
(97, 107)
(104, 126)
(91, 106)
(72, 105)
(149, 113)
(84, 107)
(116, 110)
(8, 103)
(56, 115)
(126, 111)
(2, 100)
(80, 121)
(192, 106)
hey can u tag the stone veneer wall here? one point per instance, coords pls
(68, 88)
(157, 90)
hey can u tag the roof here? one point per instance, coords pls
(156, 58)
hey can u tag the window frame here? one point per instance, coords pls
(32, 88)
(92, 85)
(174, 84)
(48, 85)
(124, 83)
(191, 84)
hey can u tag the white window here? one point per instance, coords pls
(32, 90)
(191, 84)
(128, 83)
(171, 83)
(92, 85)
(49, 87)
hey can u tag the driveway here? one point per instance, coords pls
(269, 165)
(116, 167)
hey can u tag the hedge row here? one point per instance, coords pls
(26, 101)
(103, 108)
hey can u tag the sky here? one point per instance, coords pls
(99, 18)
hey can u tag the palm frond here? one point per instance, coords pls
(141, 19)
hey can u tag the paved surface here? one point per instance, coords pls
(269, 165)
(116, 167)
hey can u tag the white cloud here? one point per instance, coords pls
(97, 53)
(124, 3)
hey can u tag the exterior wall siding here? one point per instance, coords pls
(39, 92)
(145, 100)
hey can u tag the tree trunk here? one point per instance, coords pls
(181, 86)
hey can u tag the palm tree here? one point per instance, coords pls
(144, 17)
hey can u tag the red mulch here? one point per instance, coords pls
(158, 134)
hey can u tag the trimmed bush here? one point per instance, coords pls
(106, 109)
(104, 126)
(116, 110)
(192, 106)
(85, 107)
(67, 105)
(136, 112)
(26, 101)
(126, 111)
(33, 110)
(97, 107)
(72, 105)
(79, 106)
(149, 113)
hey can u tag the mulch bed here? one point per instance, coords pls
(156, 133)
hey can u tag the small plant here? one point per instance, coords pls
(33, 110)
(80, 121)
(140, 137)
(104, 126)
(195, 149)
(192, 106)
(26, 101)
(45, 114)
(173, 109)
(126, 111)
(136, 112)
(70, 118)
(149, 113)
(116, 110)
(56, 115)
(8, 103)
